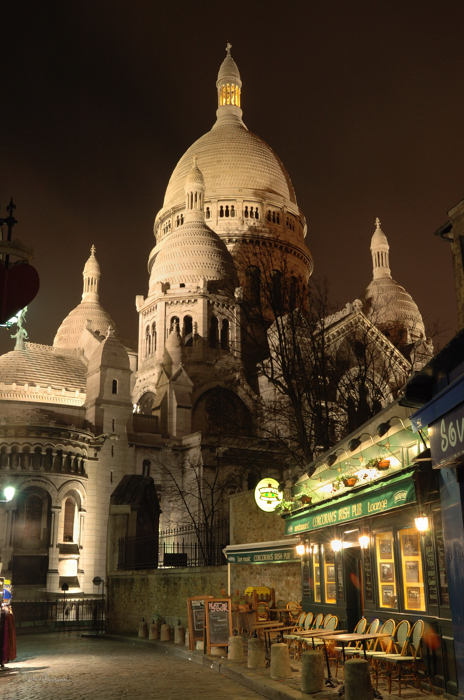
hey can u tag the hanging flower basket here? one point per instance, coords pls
(383, 464)
(350, 481)
(305, 500)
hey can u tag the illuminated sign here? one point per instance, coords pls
(267, 495)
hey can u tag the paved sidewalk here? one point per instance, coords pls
(70, 666)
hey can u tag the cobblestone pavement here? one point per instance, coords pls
(68, 666)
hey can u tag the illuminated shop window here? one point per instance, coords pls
(386, 569)
(411, 563)
(329, 576)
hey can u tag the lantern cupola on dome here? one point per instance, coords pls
(229, 87)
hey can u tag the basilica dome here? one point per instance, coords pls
(385, 302)
(89, 313)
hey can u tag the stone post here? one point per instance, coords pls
(312, 672)
(256, 653)
(280, 661)
(235, 649)
(357, 680)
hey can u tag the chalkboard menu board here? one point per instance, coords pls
(340, 592)
(196, 618)
(368, 592)
(218, 622)
(430, 569)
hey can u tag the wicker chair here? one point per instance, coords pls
(263, 611)
(397, 646)
(292, 638)
(294, 611)
(404, 667)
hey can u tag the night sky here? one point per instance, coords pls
(362, 101)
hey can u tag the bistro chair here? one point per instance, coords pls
(404, 667)
(317, 621)
(372, 629)
(381, 645)
(263, 611)
(294, 611)
(329, 624)
(397, 645)
(292, 637)
(338, 651)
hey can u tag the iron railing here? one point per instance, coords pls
(187, 545)
(57, 614)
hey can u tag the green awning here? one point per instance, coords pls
(373, 500)
(262, 552)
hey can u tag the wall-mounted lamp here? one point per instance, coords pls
(383, 428)
(422, 523)
(354, 444)
(331, 459)
(300, 549)
(8, 493)
(363, 541)
(336, 545)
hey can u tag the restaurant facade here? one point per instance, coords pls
(371, 540)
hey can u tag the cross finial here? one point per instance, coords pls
(93, 249)
(377, 222)
(228, 48)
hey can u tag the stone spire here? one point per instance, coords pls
(91, 275)
(380, 253)
(229, 87)
(194, 194)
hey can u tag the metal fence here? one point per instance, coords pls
(187, 545)
(58, 614)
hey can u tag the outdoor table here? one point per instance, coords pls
(280, 611)
(267, 628)
(363, 638)
(244, 620)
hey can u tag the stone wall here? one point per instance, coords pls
(248, 523)
(134, 595)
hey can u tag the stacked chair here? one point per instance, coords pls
(404, 667)
(397, 646)
(303, 624)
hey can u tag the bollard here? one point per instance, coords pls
(153, 631)
(143, 628)
(357, 680)
(179, 635)
(187, 640)
(280, 661)
(312, 672)
(256, 653)
(235, 649)
(165, 635)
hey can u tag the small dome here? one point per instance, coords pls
(389, 306)
(194, 176)
(191, 254)
(92, 266)
(71, 329)
(44, 367)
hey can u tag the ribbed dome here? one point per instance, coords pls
(190, 254)
(70, 331)
(41, 366)
(388, 304)
(232, 159)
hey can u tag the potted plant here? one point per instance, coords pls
(350, 480)
(243, 605)
(383, 464)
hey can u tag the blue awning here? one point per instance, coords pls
(443, 402)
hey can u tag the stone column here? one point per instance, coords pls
(53, 577)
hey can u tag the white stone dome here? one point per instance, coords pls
(190, 254)
(89, 313)
(232, 158)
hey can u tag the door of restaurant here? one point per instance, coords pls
(353, 585)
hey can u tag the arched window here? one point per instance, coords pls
(269, 217)
(221, 212)
(232, 211)
(256, 213)
(114, 386)
(213, 332)
(246, 212)
(146, 467)
(227, 211)
(68, 527)
(225, 334)
(187, 331)
(174, 324)
(253, 283)
(33, 517)
(276, 289)
(208, 213)
(147, 341)
(153, 336)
